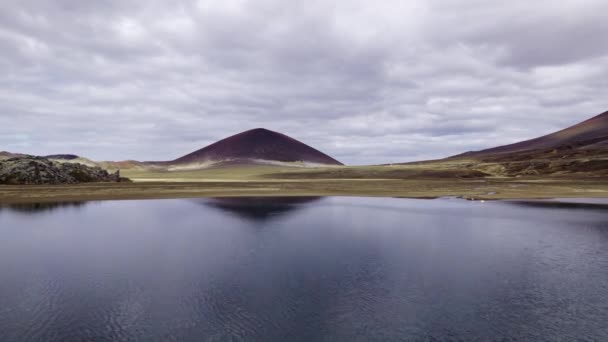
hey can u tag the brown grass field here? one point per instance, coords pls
(412, 181)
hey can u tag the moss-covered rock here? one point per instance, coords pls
(38, 170)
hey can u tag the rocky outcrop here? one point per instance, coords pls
(38, 170)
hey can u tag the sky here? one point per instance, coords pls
(363, 81)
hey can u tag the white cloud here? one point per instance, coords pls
(366, 82)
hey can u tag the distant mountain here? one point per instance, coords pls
(8, 155)
(57, 157)
(588, 135)
(72, 159)
(5, 155)
(256, 146)
(62, 156)
(582, 148)
(62, 159)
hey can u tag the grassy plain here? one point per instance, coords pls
(412, 180)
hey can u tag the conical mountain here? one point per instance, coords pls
(257, 146)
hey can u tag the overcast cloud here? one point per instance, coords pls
(364, 81)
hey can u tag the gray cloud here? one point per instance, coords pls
(388, 82)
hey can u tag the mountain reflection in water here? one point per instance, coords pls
(258, 208)
(571, 203)
(303, 269)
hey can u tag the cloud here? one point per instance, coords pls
(366, 83)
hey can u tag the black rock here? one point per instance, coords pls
(39, 170)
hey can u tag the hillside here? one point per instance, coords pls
(591, 134)
(8, 155)
(256, 146)
(582, 148)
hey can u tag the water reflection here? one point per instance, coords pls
(347, 269)
(32, 208)
(550, 204)
(258, 208)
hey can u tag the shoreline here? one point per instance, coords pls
(471, 189)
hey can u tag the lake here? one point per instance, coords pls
(304, 269)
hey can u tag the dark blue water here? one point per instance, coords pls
(331, 269)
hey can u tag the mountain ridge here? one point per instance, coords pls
(580, 148)
(591, 133)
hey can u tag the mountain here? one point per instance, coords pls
(72, 159)
(256, 146)
(5, 155)
(9, 155)
(591, 134)
(62, 156)
(582, 148)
